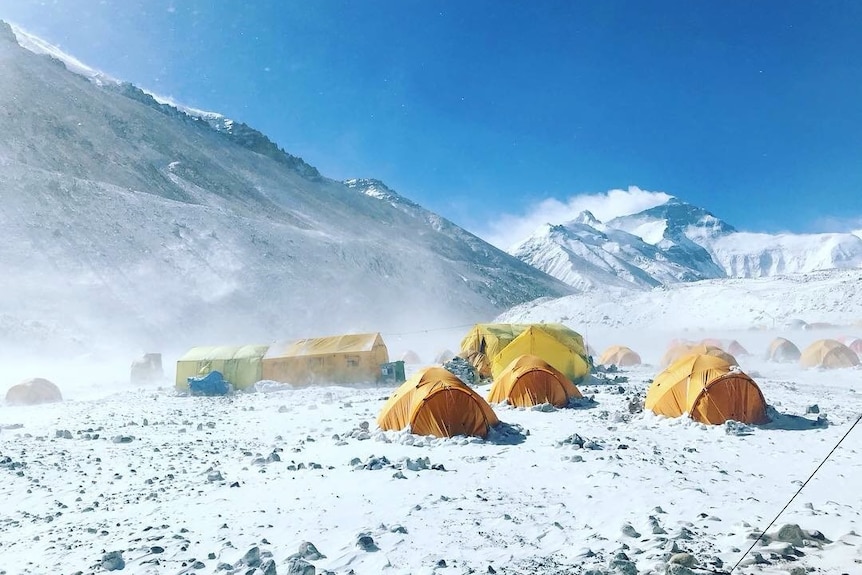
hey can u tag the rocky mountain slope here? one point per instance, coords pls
(123, 220)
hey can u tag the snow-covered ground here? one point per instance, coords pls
(180, 484)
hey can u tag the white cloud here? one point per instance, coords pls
(508, 229)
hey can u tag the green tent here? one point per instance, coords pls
(240, 365)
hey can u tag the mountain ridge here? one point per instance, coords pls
(677, 242)
(126, 222)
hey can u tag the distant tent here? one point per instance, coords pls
(444, 356)
(682, 350)
(240, 365)
(708, 389)
(528, 381)
(410, 356)
(351, 358)
(852, 342)
(735, 348)
(485, 340)
(33, 392)
(796, 324)
(731, 346)
(562, 348)
(828, 354)
(821, 325)
(147, 369)
(782, 350)
(436, 402)
(619, 355)
(711, 341)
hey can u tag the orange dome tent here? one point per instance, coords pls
(782, 350)
(708, 389)
(436, 402)
(619, 355)
(33, 392)
(530, 380)
(828, 354)
(679, 351)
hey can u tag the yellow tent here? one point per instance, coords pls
(782, 350)
(240, 365)
(529, 380)
(681, 350)
(349, 358)
(619, 355)
(485, 340)
(436, 402)
(707, 388)
(828, 354)
(568, 355)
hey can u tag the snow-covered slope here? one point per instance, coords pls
(123, 220)
(181, 485)
(677, 242)
(833, 297)
(750, 255)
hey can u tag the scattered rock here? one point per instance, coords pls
(307, 550)
(366, 543)
(113, 561)
(813, 409)
(296, 565)
(791, 533)
(629, 531)
(677, 569)
(268, 568)
(251, 557)
(213, 476)
(685, 559)
(732, 427)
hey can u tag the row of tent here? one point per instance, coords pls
(823, 353)
(436, 402)
(358, 357)
(707, 388)
(336, 359)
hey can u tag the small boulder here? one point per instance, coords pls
(685, 559)
(307, 550)
(366, 543)
(113, 561)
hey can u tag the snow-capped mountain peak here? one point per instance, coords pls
(586, 217)
(677, 242)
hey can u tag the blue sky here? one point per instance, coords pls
(491, 111)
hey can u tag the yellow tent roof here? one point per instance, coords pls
(224, 352)
(681, 350)
(707, 388)
(528, 381)
(562, 350)
(619, 355)
(355, 342)
(782, 349)
(829, 354)
(435, 402)
(490, 338)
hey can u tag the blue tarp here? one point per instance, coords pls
(212, 383)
